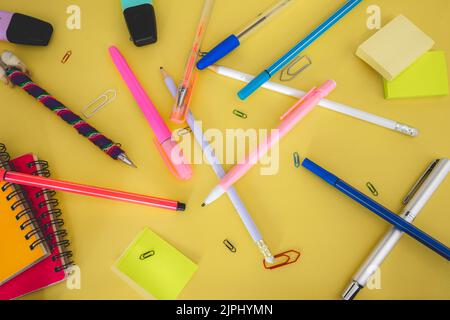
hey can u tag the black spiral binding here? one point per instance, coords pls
(57, 238)
(13, 192)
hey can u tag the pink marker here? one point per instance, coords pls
(289, 120)
(166, 146)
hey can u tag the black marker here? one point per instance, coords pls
(21, 29)
(141, 21)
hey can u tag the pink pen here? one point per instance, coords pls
(166, 146)
(289, 120)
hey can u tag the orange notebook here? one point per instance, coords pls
(21, 240)
(55, 268)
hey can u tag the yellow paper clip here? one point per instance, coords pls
(289, 73)
(66, 56)
(240, 114)
(99, 103)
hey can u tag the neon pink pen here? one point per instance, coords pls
(166, 146)
(289, 120)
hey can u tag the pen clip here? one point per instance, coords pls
(309, 94)
(420, 182)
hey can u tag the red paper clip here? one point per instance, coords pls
(289, 259)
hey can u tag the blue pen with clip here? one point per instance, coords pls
(235, 40)
(378, 209)
(265, 76)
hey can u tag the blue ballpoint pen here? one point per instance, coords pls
(378, 209)
(265, 76)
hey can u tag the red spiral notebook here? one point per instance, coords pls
(52, 269)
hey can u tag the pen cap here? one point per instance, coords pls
(23, 29)
(326, 88)
(254, 85)
(220, 51)
(319, 171)
(141, 21)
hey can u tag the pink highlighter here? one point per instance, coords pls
(168, 148)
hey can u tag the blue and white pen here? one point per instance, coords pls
(220, 172)
(265, 76)
(378, 209)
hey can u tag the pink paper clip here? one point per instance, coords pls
(288, 259)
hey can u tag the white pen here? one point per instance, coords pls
(414, 203)
(331, 105)
(220, 172)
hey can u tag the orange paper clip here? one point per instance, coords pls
(290, 257)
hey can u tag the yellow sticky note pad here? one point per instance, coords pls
(427, 77)
(395, 47)
(155, 267)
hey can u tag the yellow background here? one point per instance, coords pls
(294, 209)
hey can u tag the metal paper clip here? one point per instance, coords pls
(66, 56)
(296, 160)
(290, 257)
(289, 73)
(240, 114)
(419, 182)
(372, 189)
(99, 103)
(147, 255)
(229, 245)
(185, 131)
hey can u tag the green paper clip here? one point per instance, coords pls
(240, 114)
(296, 160)
(229, 245)
(184, 131)
(372, 189)
(147, 255)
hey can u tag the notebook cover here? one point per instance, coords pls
(52, 269)
(427, 77)
(395, 47)
(16, 254)
(163, 274)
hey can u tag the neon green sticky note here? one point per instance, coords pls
(155, 267)
(427, 77)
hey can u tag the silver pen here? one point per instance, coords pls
(414, 203)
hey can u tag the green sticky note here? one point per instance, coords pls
(427, 77)
(155, 267)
